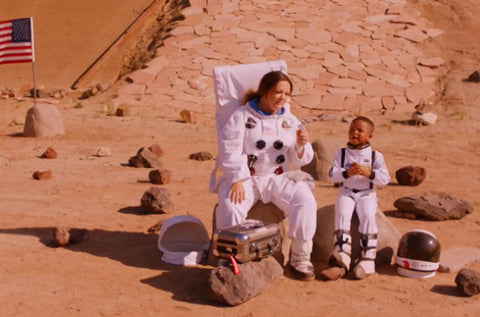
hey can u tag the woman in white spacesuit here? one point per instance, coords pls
(261, 148)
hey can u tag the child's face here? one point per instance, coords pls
(359, 133)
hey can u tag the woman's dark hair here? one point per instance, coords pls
(268, 81)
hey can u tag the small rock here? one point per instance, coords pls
(474, 77)
(146, 158)
(160, 176)
(410, 175)
(41, 175)
(61, 236)
(201, 156)
(122, 111)
(156, 200)
(332, 273)
(424, 118)
(65, 236)
(49, 153)
(104, 152)
(18, 121)
(468, 281)
(157, 149)
(187, 116)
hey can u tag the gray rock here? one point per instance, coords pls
(43, 120)
(424, 118)
(324, 153)
(160, 176)
(468, 281)
(201, 156)
(434, 206)
(387, 244)
(254, 278)
(156, 200)
(454, 259)
(146, 158)
(410, 175)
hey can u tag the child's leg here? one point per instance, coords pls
(366, 211)
(230, 214)
(344, 207)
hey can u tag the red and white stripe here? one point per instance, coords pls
(13, 52)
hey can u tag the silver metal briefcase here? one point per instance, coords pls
(248, 241)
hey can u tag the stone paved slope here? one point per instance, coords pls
(358, 56)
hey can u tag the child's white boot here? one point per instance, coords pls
(342, 252)
(366, 265)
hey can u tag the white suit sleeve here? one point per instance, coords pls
(336, 171)
(232, 159)
(306, 158)
(379, 168)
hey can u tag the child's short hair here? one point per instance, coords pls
(366, 120)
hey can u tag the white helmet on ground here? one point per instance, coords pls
(418, 254)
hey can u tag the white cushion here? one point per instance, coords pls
(231, 82)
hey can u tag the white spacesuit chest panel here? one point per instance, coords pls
(362, 157)
(267, 142)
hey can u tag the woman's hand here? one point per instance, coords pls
(237, 192)
(302, 139)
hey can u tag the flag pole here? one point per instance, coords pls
(33, 63)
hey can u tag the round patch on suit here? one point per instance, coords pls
(280, 159)
(251, 123)
(260, 144)
(285, 125)
(278, 145)
(279, 170)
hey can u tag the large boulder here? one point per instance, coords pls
(324, 152)
(43, 120)
(434, 206)
(388, 237)
(254, 277)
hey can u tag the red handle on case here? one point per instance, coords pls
(236, 268)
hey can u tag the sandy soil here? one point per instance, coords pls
(117, 270)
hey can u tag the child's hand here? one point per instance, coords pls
(357, 169)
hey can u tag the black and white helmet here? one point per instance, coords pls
(418, 254)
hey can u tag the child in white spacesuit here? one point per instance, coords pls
(261, 148)
(358, 169)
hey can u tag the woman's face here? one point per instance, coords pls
(276, 97)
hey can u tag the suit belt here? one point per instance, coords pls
(357, 190)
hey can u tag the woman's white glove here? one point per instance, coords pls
(300, 176)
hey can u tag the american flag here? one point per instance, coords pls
(16, 41)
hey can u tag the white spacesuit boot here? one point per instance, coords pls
(342, 252)
(301, 267)
(366, 265)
